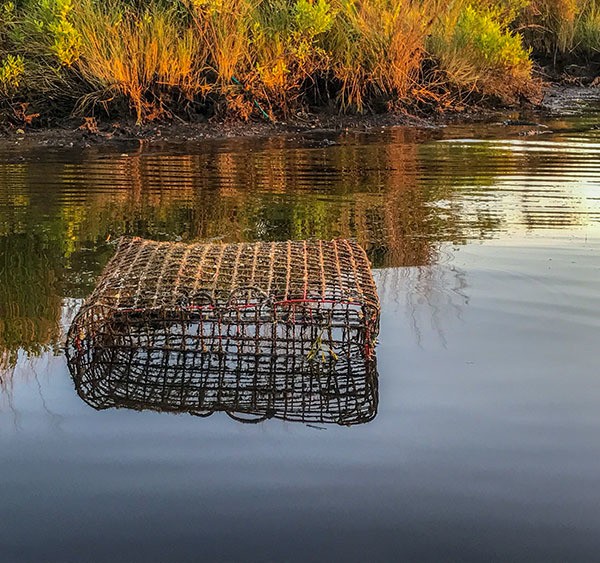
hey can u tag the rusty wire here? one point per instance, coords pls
(284, 329)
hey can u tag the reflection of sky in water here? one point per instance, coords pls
(485, 441)
(557, 187)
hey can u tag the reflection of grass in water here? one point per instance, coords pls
(30, 304)
(371, 194)
(374, 193)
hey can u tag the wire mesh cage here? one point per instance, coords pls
(283, 329)
(199, 385)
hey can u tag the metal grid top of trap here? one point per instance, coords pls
(146, 274)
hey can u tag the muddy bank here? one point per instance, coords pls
(559, 99)
(87, 132)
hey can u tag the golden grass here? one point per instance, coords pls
(223, 26)
(265, 57)
(378, 47)
(142, 56)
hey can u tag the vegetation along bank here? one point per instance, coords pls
(278, 60)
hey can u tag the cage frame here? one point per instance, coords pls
(305, 309)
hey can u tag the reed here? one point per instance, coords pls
(274, 58)
(377, 48)
(477, 51)
(149, 57)
(587, 31)
(566, 30)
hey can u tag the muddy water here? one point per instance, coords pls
(485, 444)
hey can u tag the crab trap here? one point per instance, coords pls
(263, 330)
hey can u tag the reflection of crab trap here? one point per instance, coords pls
(266, 329)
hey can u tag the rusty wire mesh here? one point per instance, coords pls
(282, 329)
(175, 381)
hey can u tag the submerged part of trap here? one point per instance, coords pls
(283, 329)
(199, 384)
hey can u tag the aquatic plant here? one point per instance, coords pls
(562, 29)
(377, 48)
(587, 31)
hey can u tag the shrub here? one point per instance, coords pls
(477, 52)
(11, 71)
(46, 30)
(377, 48)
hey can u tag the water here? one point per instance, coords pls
(486, 248)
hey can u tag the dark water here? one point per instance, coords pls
(486, 442)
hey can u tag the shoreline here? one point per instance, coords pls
(85, 132)
(74, 132)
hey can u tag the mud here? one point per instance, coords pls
(559, 99)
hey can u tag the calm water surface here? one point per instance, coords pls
(486, 443)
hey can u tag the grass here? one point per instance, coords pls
(587, 31)
(269, 59)
(477, 51)
(147, 56)
(566, 30)
(377, 49)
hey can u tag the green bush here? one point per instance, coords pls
(11, 70)
(477, 51)
(45, 30)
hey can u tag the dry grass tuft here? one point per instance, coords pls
(146, 56)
